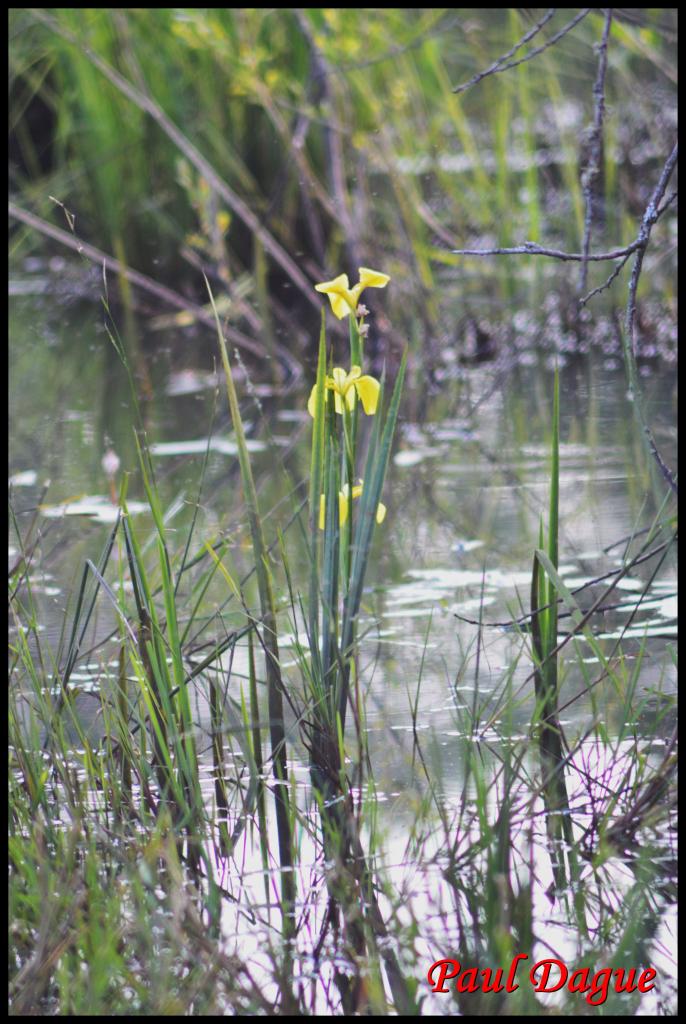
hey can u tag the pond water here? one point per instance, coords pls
(467, 484)
(466, 488)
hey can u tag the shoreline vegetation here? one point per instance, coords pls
(269, 157)
(215, 837)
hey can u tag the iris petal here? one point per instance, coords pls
(346, 387)
(343, 504)
(368, 389)
(343, 301)
(333, 286)
(339, 378)
(343, 298)
(340, 306)
(355, 294)
(372, 278)
(342, 507)
(312, 402)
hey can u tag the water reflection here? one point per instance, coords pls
(444, 657)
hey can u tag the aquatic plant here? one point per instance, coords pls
(344, 299)
(176, 850)
(338, 567)
(346, 386)
(135, 851)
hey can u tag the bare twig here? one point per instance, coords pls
(340, 206)
(349, 204)
(641, 557)
(652, 212)
(499, 66)
(629, 337)
(639, 245)
(667, 203)
(435, 26)
(579, 628)
(534, 249)
(160, 291)
(510, 53)
(601, 288)
(592, 170)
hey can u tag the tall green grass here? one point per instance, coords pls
(338, 566)
(126, 855)
(124, 863)
(265, 147)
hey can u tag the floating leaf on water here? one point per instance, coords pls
(418, 645)
(665, 607)
(27, 286)
(472, 605)
(224, 446)
(462, 546)
(411, 613)
(410, 593)
(292, 415)
(647, 630)
(188, 382)
(453, 432)
(96, 507)
(454, 578)
(661, 585)
(413, 456)
(25, 479)
(291, 640)
(40, 588)
(626, 582)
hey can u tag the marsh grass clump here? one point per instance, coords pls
(338, 565)
(163, 857)
(202, 819)
(282, 141)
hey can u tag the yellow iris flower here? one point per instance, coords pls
(343, 298)
(343, 496)
(345, 387)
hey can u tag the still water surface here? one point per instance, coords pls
(465, 491)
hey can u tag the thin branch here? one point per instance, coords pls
(161, 292)
(667, 203)
(335, 156)
(592, 171)
(641, 557)
(580, 625)
(601, 288)
(652, 212)
(510, 53)
(498, 66)
(534, 249)
(434, 27)
(629, 337)
(596, 291)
